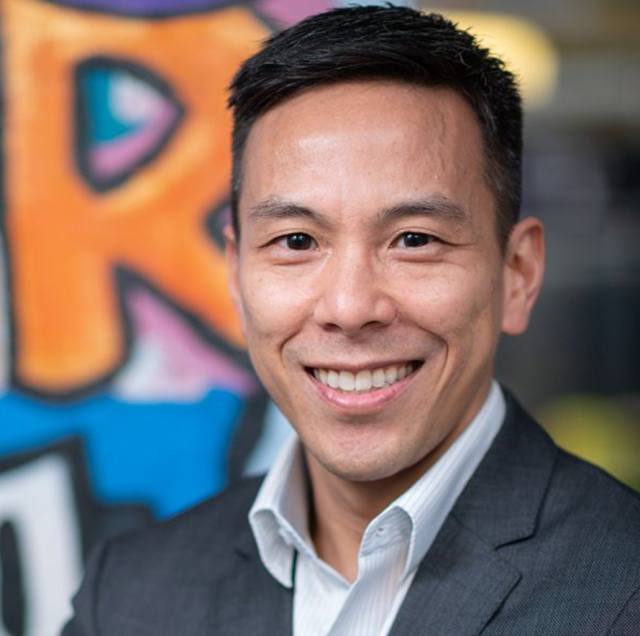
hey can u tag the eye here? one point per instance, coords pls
(297, 241)
(414, 239)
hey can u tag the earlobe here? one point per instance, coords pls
(523, 273)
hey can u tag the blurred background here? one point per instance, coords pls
(125, 393)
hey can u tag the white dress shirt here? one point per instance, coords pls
(392, 547)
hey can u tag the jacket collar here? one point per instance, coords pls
(502, 501)
(251, 601)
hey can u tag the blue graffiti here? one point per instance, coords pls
(166, 455)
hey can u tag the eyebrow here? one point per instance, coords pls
(434, 205)
(279, 209)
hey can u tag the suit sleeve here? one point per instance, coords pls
(627, 622)
(83, 622)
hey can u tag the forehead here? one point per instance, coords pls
(357, 146)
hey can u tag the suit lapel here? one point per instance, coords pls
(250, 601)
(463, 579)
(458, 587)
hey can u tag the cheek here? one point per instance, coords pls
(457, 305)
(272, 307)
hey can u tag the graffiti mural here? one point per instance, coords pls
(125, 392)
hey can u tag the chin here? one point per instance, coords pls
(358, 468)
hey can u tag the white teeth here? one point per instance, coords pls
(379, 378)
(347, 381)
(364, 380)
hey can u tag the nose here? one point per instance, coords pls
(353, 296)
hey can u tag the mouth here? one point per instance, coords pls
(368, 380)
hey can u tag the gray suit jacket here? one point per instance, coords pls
(538, 544)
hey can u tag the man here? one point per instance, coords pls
(376, 256)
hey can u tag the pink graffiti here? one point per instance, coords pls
(170, 361)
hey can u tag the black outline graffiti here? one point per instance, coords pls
(5, 250)
(13, 604)
(81, 117)
(213, 225)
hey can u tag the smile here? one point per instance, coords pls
(364, 380)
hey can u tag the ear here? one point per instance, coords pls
(232, 247)
(523, 272)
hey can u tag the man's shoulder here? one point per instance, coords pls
(587, 533)
(190, 541)
(576, 488)
(231, 505)
(577, 515)
(588, 501)
(592, 498)
(165, 577)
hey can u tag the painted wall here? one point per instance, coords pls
(125, 393)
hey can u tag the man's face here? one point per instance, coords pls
(369, 251)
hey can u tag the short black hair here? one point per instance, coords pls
(387, 43)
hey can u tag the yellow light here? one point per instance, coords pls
(526, 49)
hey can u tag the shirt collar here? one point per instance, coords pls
(279, 515)
(429, 501)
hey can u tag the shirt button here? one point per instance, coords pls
(381, 530)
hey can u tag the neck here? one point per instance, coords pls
(341, 510)
(340, 513)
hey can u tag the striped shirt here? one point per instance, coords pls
(392, 547)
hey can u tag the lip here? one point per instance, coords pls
(361, 403)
